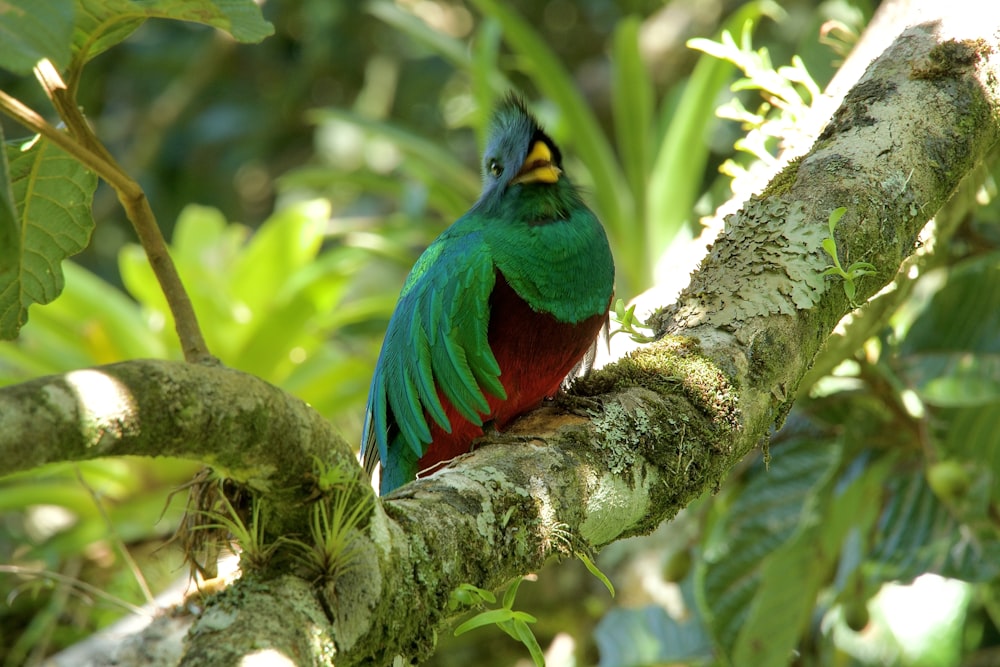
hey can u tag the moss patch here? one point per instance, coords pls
(951, 59)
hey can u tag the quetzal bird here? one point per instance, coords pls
(496, 312)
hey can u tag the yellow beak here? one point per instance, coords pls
(538, 166)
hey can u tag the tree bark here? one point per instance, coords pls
(663, 425)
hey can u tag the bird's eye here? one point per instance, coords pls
(495, 168)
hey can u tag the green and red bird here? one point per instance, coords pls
(496, 312)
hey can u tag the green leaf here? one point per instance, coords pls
(31, 30)
(491, 617)
(101, 24)
(594, 570)
(527, 637)
(511, 593)
(835, 216)
(770, 510)
(10, 233)
(830, 246)
(964, 315)
(632, 107)
(780, 612)
(956, 380)
(972, 434)
(53, 194)
(917, 533)
(627, 637)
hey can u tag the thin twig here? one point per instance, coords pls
(84, 145)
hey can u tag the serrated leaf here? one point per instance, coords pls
(768, 512)
(101, 24)
(10, 236)
(780, 612)
(52, 193)
(917, 533)
(31, 30)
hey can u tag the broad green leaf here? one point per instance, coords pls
(101, 24)
(648, 636)
(769, 511)
(284, 244)
(91, 322)
(917, 533)
(956, 380)
(10, 230)
(971, 434)
(964, 315)
(780, 610)
(53, 194)
(632, 104)
(31, 30)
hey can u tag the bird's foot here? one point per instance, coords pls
(581, 406)
(493, 435)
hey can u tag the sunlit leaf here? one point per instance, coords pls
(101, 24)
(675, 181)
(31, 30)
(52, 193)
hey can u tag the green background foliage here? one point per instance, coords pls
(298, 179)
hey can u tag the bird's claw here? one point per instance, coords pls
(581, 406)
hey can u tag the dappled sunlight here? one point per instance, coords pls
(106, 407)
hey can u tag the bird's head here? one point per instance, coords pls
(518, 152)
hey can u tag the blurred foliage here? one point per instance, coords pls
(344, 143)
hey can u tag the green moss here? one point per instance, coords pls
(673, 364)
(784, 181)
(951, 59)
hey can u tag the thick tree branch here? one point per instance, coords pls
(671, 419)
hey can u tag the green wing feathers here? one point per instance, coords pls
(437, 340)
